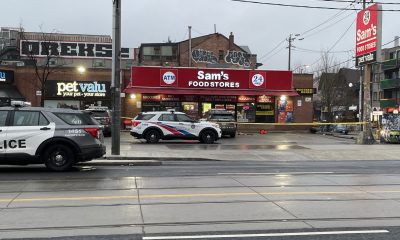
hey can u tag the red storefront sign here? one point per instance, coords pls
(160, 97)
(246, 99)
(265, 99)
(368, 34)
(210, 81)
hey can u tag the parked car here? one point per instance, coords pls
(103, 116)
(224, 119)
(340, 128)
(390, 136)
(154, 126)
(59, 138)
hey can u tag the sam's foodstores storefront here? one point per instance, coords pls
(253, 96)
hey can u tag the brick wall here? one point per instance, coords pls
(213, 43)
(303, 113)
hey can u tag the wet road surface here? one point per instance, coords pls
(216, 198)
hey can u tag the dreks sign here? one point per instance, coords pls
(71, 49)
(368, 35)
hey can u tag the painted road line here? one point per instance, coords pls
(277, 173)
(191, 195)
(267, 235)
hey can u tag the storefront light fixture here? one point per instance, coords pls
(283, 98)
(133, 96)
(81, 69)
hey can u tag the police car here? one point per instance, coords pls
(154, 126)
(58, 138)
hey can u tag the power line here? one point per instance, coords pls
(272, 49)
(333, 24)
(319, 51)
(274, 54)
(307, 6)
(340, 38)
(329, 19)
(347, 1)
(390, 41)
(348, 60)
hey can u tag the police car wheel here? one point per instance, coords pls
(208, 137)
(58, 157)
(152, 136)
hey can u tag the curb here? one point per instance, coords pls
(122, 163)
(125, 158)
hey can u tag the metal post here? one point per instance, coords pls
(367, 130)
(190, 47)
(116, 81)
(360, 101)
(366, 136)
(290, 48)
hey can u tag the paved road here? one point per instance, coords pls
(269, 147)
(216, 198)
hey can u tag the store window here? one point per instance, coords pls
(191, 109)
(246, 112)
(205, 108)
(72, 104)
(265, 113)
(171, 105)
(151, 106)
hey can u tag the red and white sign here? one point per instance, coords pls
(169, 77)
(257, 79)
(368, 34)
(210, 81)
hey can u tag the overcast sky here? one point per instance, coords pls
(261, 27)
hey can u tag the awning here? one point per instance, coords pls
(10, 92)
(231, 92)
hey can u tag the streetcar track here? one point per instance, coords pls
(194, 187)
(193, 223)
(193, 203)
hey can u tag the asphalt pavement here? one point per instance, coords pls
(274, 146)
(275, 186)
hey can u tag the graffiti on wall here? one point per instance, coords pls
(391, 122)
(201, 55)
(238, 58)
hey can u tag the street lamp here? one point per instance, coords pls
(301, 68)
(81, 70)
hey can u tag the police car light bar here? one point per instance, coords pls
(20, 104)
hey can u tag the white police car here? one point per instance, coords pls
(58, 138)
(154, 126)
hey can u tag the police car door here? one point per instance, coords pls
(186, 125)
(3, 132)
(28, 129)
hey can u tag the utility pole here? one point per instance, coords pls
(190, 47)
(290, 40)
(367, 137)
(116, 78)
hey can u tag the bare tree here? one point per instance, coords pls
(331, 86)
(43, 56)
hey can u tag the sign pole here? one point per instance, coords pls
(116, 81)
(367, 137)
(368, 49)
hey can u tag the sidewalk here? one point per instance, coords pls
(269, 147)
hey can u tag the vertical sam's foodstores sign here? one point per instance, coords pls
(368, 35)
